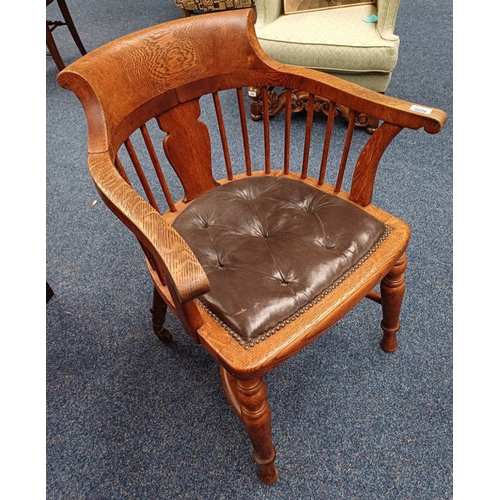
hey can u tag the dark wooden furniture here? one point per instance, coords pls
(53, 51)
(49, 293)
(189, 7)
(299, 102)
(259, 262)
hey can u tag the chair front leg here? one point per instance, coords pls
(392, 289)
(249, 401)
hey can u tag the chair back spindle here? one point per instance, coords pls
(223, 136)
(267, 141)
(157, 167)
(288, 125)
(345, 152)
(140, 173)
(121, 170)
(307, 135)
(244, 131)
(326, 147)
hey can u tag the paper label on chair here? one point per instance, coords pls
(252, 93)
(421, 109)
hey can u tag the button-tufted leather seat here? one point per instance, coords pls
(282, 246)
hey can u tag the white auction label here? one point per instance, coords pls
(421, 109)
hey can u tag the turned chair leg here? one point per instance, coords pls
(158, 312)
(392, 289)
(249, 401)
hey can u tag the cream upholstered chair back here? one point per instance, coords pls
(340, 41)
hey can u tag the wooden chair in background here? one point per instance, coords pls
(258, 260)
(53, 51)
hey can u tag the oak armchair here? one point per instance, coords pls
(264, 251)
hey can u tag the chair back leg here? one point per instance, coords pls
(71, 26)
(53, 50)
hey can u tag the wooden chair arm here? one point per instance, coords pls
(386, 108)
(173, 260)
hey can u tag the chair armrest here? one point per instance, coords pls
(403, 113)
(387, 11)
(176, 264)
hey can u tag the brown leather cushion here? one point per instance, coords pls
(270, 246)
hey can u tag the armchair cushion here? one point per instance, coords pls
(306, 39)
(271, 246)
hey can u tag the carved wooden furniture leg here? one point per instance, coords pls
(248, 400)
(159, 311)
(372, 124)
(49, 293)
(392, 289)
(299, 103)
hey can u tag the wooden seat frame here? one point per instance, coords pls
(161, 73)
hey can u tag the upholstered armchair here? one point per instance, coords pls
(348, 42)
